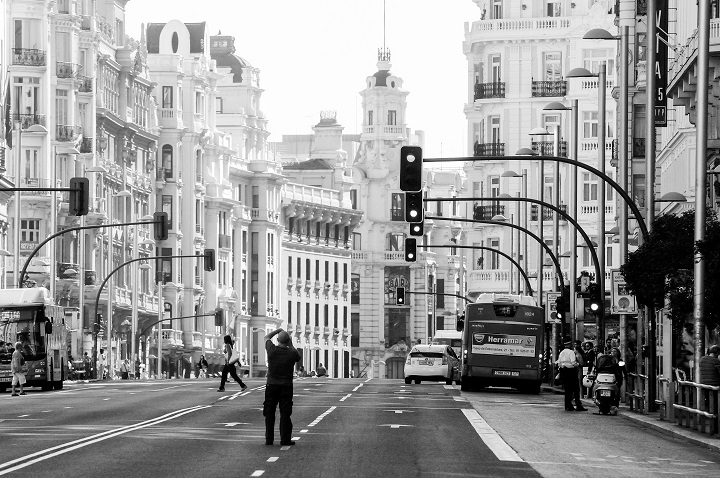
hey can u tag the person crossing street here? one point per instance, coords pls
(568, 366)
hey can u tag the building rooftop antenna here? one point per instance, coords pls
(384, 54)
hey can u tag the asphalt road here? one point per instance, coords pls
(343, 428)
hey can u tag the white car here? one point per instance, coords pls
(432, 363)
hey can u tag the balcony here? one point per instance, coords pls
(545, 89)
(65, 69)
(638, 150)
(484, 91)
(86, 145)
(28, 57)
(224, 241)
(547, 148)
(489, 149)
(66, 133)
(27, 120)
(86, 84)
(486, 213)
(547, 213)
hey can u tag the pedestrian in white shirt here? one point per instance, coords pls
(568, 366)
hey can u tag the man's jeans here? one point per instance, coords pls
(278, 395)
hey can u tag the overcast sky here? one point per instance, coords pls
(314, 55)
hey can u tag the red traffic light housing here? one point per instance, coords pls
(209, 260)
(219, 317)
(410, 168)
(79, 197)
(160, 226)
(410, 249)
(400, 296)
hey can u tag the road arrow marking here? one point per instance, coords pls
(391, 425)
(232, 424)
(401, 411)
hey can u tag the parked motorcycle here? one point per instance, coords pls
(605, 391)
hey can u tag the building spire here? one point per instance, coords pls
(384, 52)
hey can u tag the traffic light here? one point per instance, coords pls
(410, 249)
(410, 168)
(160, 228)
(400, 296)
(560, 304)
(98, 325)
(416, 229)
(595, 302)
(79, 196)
(209, 260)
(219, 317)
(414, 207)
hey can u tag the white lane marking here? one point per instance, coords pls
(232, 424)
(357, 388)
(366, 381)
(258, 473)
(490, 437)
(303, 431)
(170, 388)
(395, 425)
(321, 416)
(83, 442)
(295, 438)
(400, 411)
(272, 459)
(22, 416)
(346, 397)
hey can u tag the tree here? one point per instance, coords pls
(662, 267)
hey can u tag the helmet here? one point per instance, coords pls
(587, 383)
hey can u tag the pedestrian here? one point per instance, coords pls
(202, 367)
(17, 363)
(231, 359)
(581, 365)
(137, 369)
(281, 360)
(302, 372)
(710, 367)
(568, 364)
(102, 360)
(125, 369)
(87, 363)
(321, 371)
(589, 358)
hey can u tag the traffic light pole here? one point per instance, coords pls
(65, 231)
(497, 251)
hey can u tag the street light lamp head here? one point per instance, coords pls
(539, 131)
(599, 34)
(504, 196)
(96, 169)
(144, 266)
(499, 218)
(148, 242)
(525, 152)
(122, 194)
(672, 197)
(555, 106)
(580, 73)
(512, 174)
(68, 151)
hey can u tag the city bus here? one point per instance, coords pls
(502, 343)
(30, 317)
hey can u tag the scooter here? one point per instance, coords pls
(605, 391)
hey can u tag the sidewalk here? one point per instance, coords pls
(653, 421)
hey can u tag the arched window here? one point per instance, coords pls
(167, 161)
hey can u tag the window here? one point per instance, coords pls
(167, 97)
(255, 196)
(548, 189)
(354, 198)
(290, 261)
(495, 65)
(495, 129)
(397, 208)
(554, 8)
(494, 243)
(30, 165)
(593, 58)
(440, 298)
(356, 241)
(299, 262)
(370, 118)
(552, 66)
(30, 230)
(167, 202)
(354, 329)
(638, 189)
(166, 264)
(395, 241)
(167, 161)
(327, 271)
(307, 269)
(551, 121)
(590, 124)
(199, 102)
(497, 9)
(61, 109)
(392, 117)
(478, 259)
(218, 105)
(589, 186)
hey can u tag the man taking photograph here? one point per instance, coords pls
(281, 360)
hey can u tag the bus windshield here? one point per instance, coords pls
(19, 325)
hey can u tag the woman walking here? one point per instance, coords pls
(230, 361)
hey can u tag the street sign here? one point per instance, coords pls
(550, 312)
(621, 301)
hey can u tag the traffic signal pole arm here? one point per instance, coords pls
(628, 200)
(64, 231)
(171, 318)
(97, 298)
(497, 251)
(439, 293)
(519, 228)
(571, 220)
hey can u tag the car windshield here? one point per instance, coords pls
(426, 354)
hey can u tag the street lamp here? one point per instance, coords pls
(602, 86)
(522, 242)
(142, 267)
(540, 131)
(135, 297)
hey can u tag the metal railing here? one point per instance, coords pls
(64, 69)
(697, 407)
(29, 57)
(489, 90)
(27, 120)
(489, 149)
(546, 148)
(549, 88)
(86, 85)
(485, 213)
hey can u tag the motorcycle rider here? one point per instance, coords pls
(609, 363)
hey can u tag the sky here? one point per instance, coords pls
(315, 55)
